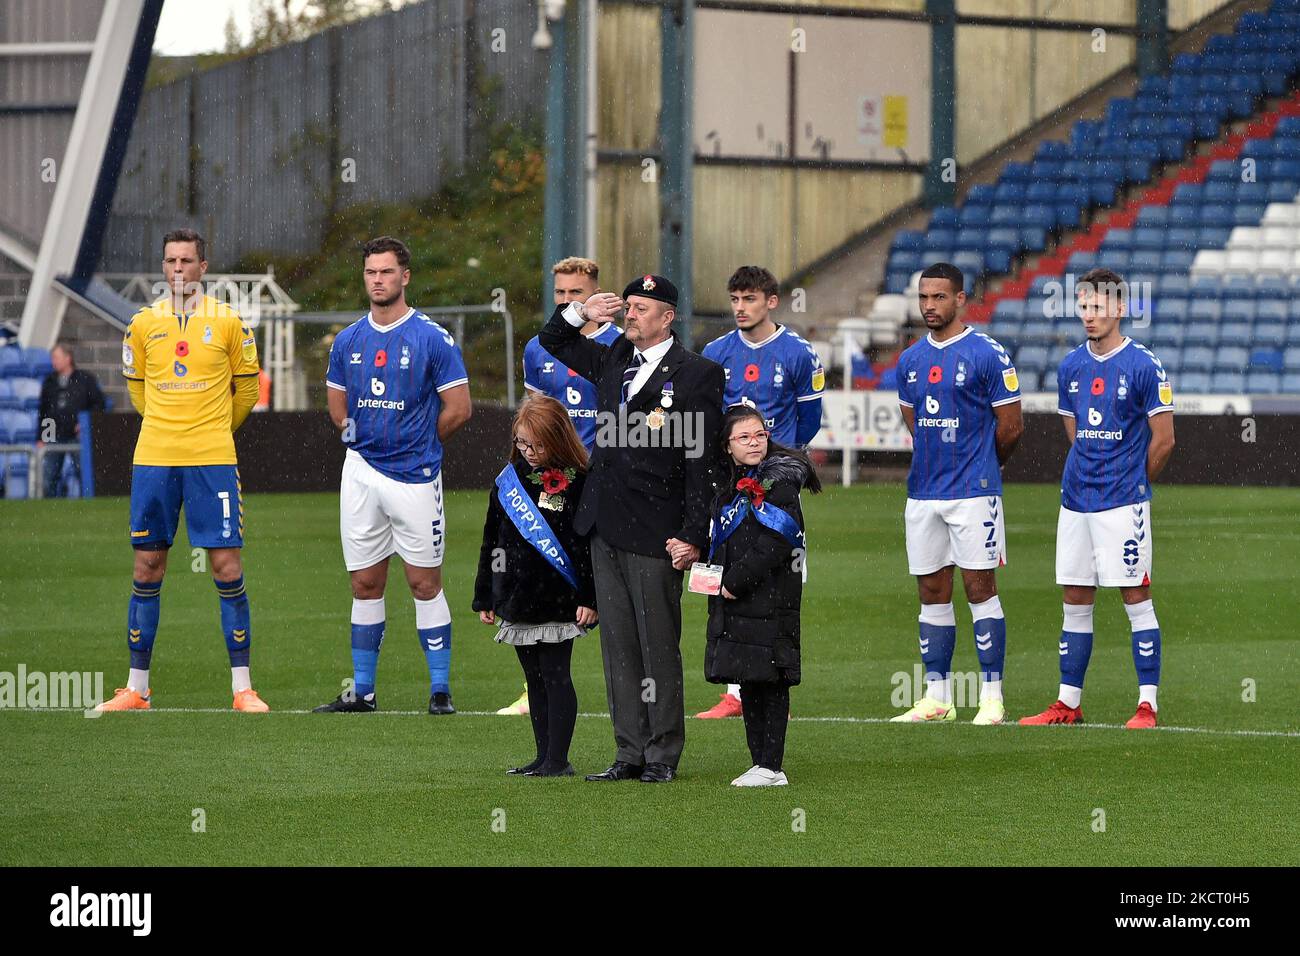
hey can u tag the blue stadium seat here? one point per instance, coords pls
(981, 195)
(26, 392)
(1034, 238)
(36, 362)
(1282, 190)
(1224, 170)
(1171, 310)
(15, 467)
(1153, 216)
(1004, 238)
(1263, 383)
(1196, 358)
(1183, 239)
(943, 217)
(1238, 310)
(1291, 358)
(1081, 262)
(1039, 215)
(903, 261)
(1201, 333)
(1217, 216)
(1148, 260)
(908, 239)
(1271, 310)
(1176, 286)
(1015, 172)
(1010, 309)
(973, 216)
(1237, 287)
(970, 240)
(1206, 310)
(1205, 287)
(1212, 237)
(1272, 287)
(1029, 378)
(11, 361)
(1230, 383)
(1031, 358)
(1005, 329)
(1004, 214)
(1048, 383)
(1117, 239)
(896, 283)
(1231, 359)
(1194, 383)
(1013, 192)
(1265, 360)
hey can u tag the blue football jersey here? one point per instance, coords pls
(1110, 397)
(953, 388)
(393, 376)
(776, 375)
(544, 373)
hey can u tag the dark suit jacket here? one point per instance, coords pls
(637, 498)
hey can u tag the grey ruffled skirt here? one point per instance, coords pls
(525, 635)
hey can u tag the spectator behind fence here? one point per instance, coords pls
(66, 393)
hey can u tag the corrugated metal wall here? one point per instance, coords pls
(254, 153)
(28, 139)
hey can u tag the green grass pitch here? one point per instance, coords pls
(1215, 785)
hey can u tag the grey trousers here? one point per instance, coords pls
(640, 604)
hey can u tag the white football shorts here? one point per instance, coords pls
(967, 532)
(1109, 549)
(380, 516)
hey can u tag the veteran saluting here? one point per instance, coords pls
(645, 505)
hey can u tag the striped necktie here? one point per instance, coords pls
(630, 375)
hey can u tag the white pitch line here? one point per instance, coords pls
(810, 720)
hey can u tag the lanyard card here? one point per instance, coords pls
(705, 578)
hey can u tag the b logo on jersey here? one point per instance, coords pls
(1098, 386)
(573, 395)
(381, 359)
(182, 348)
(179, 369)
(931, 405)
(751, 372)
(1166, 390)
(936, 374)
(377, 386)
(1094, 417)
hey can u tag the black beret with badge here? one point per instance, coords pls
(652, 287)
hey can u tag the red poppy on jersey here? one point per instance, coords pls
(751, 372)
(936, 374)
(381, 358)
(1098, 386)
(182, 348)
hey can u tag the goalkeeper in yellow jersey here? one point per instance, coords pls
(191, 366)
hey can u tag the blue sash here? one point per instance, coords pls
(530, 523)
(773, 518)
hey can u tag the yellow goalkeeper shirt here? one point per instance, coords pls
(187, 363)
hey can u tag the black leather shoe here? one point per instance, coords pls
(525, 768)
(549, 770)
(618, 771)
(658, 773)
(344, 704)
(440, 703)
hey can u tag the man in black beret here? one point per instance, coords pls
(645, 505)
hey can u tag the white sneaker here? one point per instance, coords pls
(761, 777)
